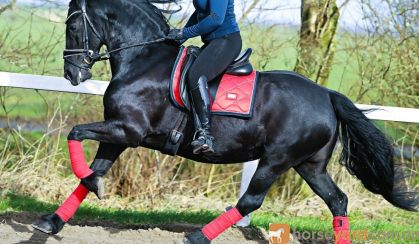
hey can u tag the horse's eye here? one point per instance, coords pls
(72, 28)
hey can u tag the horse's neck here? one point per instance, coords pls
(138, 63)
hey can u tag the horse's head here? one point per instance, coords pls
(83, 42)
(128, 24)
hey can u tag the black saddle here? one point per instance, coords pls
(241, 66)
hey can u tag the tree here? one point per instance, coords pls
(319, 22)
(9, 5)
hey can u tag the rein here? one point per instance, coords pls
(90, 56)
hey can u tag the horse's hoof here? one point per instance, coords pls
(94, 184)
(196, 237)
(49, 224)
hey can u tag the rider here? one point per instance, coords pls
(215, 22)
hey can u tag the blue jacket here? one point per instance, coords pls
(212, 19)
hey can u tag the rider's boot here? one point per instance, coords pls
(203, 140)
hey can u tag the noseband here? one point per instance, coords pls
(90, 56)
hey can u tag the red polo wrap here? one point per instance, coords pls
(222, 223)
(78, 162)
(70, 206)
(341, 229)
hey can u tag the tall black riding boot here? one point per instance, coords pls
(203, 140)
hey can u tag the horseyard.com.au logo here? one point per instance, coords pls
(279, 233)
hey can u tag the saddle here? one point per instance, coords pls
(232, 93)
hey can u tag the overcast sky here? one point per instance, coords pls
(288, 12)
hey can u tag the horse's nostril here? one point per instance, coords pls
(67, 75)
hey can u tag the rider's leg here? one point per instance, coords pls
(201, 109)
(215, 57)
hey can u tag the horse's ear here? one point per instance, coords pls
(73, 3)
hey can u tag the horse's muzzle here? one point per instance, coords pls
(80, 77)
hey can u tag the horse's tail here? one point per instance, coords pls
(368, 154)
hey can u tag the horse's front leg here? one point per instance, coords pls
(111, 132)
(106, 155)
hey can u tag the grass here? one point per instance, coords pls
(34, 44)
(27, 104)
(16, 203)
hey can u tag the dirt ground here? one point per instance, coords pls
(16, 228)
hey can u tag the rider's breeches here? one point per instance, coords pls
(215, 57)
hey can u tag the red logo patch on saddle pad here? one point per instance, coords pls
(234, 94)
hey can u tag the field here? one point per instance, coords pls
(36, 175)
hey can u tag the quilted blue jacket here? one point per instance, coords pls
(212, 19)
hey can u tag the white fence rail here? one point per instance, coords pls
(51, 83)
(93, 87)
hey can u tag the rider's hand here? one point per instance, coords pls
(176, 35)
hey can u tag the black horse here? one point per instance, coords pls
(296, 123)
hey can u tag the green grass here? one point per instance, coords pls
(402, 221)
(30, 104)
(30, 43)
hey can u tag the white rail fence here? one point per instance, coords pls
(94, 87)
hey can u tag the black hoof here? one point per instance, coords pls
(49, 224)
(196, 237)
(95, 184)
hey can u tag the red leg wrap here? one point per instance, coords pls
(70, 206)
(222, 223)
(78, 162)
(341, 229)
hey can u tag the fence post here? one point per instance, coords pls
(249, 169)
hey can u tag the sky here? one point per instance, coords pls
(288, 12)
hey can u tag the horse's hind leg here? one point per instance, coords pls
(267, 172)
(105, 157)
(319, 180)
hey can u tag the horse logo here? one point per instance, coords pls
(279, 233)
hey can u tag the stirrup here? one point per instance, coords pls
(203, 143)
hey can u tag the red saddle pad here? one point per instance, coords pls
(234, 97)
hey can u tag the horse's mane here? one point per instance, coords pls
(166, 2)
(159, 11)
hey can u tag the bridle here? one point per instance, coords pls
(90, 56)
